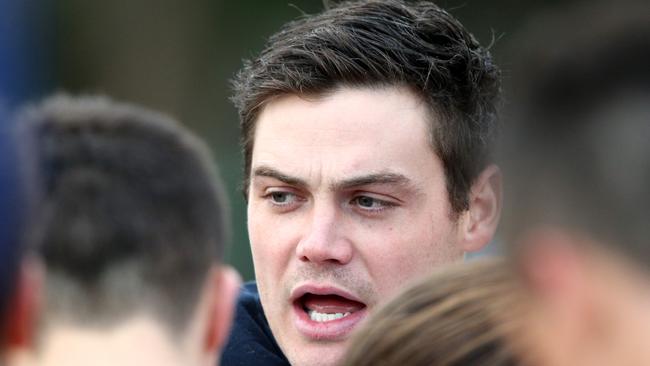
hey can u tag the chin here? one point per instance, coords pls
(330, 354)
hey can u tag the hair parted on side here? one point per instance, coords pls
(383, 43)
(133, 214)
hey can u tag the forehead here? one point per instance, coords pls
(347, 131)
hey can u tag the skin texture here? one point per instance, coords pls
(348, 195)
(585, 305)
(142, 339)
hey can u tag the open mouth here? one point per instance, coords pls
(328, 308)
(324, 313)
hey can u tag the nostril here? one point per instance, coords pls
(322, 249)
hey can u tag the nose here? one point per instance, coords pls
(324, 240)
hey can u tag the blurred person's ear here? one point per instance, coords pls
(559, 297)
(223, 297)
(24, 307)
(210, 327)
(574, 292)
(555, 272)
(479, 223)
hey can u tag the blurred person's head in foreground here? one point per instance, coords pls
(131, 231)
(462, 315)
(580, 200)
(20, 276)
(366, 132)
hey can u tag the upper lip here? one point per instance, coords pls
(321, 289)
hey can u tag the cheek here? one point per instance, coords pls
(403, 254)
(271, 242)
(262, 238)
(268, 256)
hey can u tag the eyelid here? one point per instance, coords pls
(294, 198)
(263, 184)
(376, 196)
(384, 192)
(279, 189)
(384, 204)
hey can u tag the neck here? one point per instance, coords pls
(138, 341)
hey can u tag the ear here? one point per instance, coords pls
(224, 291)
(552, 264)
(479, 223)
(564, 301)
(25, 303)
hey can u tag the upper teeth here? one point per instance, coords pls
(325, 317)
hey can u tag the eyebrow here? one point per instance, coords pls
(362, 180)
(376, 178)
(265, 171)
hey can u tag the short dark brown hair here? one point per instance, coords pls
(384, 43)
(133, 213)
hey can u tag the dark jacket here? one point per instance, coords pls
(251, 341)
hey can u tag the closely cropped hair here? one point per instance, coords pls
(463, 315)
(133, 214)
(379, 43)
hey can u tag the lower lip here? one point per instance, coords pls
(334, 330)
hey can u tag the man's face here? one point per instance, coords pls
(347, 204)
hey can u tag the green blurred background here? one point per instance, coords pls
(178, 56)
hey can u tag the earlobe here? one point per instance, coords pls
(225, 290)
(550, 263)
(563, 300)
(482, 217)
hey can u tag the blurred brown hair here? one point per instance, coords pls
(461, 315)
(576, 154)
(133, 214)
